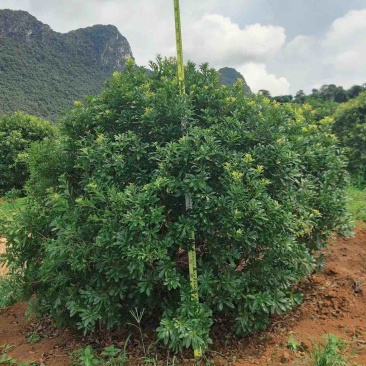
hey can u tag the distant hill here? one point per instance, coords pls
(229, 76)
(42, 72)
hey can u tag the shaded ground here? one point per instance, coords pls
(334, 302)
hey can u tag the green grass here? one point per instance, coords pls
(334, 351)
(357, 203)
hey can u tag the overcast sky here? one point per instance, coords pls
(278, 45)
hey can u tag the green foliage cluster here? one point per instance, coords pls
(326, 93)
(111, 233)
(17, 132)
(350, 127)
(110, 356)
(348, 108)
(324, 101)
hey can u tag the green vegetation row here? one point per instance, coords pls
(326, 93)
(348, 109)
(324, 100)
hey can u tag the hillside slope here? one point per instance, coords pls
(42, 72)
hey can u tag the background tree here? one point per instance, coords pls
(283, 98)
(299, 97)
(265, 93)
(350, 127)
(17, 132)
(354, 91)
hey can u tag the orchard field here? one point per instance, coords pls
(96, 235)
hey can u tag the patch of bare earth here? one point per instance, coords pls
(334, 302)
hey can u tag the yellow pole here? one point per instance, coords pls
(178, 38)
(192, 253)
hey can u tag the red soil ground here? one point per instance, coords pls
(334, 302)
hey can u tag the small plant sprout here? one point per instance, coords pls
(6, 347)
(293, 344)
(33, 337)
(329, 354)
(138, 318)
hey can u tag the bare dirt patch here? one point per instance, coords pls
(15, 331)
(334, 302)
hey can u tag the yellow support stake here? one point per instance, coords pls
(192, 260)
(178, 38)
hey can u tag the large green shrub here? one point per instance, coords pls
(350, 127)
(17, 132)
(267, 184)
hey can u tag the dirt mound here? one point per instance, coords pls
(334, 303)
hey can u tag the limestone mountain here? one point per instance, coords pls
(42, 71)
(229, 76)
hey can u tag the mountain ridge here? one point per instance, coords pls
(42, 71)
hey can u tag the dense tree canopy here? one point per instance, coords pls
(350, 127)
(17, 132)
(346, 106)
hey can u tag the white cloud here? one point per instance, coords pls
(301, 47)
(347, 29)
(257, 77)
(345, 43)
(221, 42)
(335, 57)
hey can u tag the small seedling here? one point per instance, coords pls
(154, 361)
(110, 356)
(7, 360)
(88, 357)
(6, 347)
(116, 356)
(111, 351)
(138, 318)
(330, 354)
(293, 344)
(34, 337)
